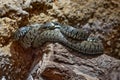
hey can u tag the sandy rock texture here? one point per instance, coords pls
(54, 61)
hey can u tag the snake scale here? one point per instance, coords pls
(36, 35)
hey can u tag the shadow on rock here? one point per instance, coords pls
(24, 60)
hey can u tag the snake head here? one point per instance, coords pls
(20, 33)
(52, 25)
(57, 24)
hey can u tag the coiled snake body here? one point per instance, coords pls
(69, 31)
(37, 34)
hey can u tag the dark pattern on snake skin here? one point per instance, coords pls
(69, 31)
(37, 34)
(91, 45)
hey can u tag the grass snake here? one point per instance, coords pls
(79, 40)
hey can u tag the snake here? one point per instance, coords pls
(69, 31)
(36, 35)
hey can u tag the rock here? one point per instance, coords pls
(7, 27)
(82, 67)
(54, 61)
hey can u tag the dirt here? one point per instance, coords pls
(54, 61)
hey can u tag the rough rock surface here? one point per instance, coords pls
(54, 61)
(60, 64)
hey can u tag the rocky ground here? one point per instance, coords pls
(54, 61)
